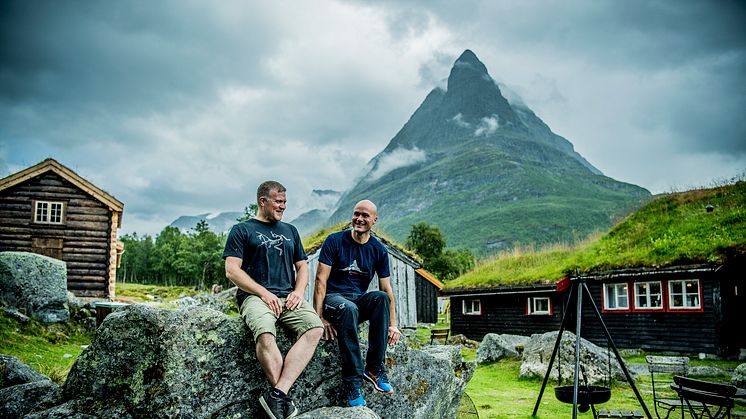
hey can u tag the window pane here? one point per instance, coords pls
(55, 213)
(542, 305)
(611, 296)
(41, 212)
(622, 296)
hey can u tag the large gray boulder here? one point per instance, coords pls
(197, 362)
(739, 376)
(22, 389)
(203, 299)
(35, 285)
(495, 347)
(594, 360)
(339, 413)
(20, 400)
(14, 372)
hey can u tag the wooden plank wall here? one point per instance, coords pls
(503, 314)
(427, 301)
(402, 283)
(85, 233)
(657, 331)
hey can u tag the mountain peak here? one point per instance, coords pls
(468, 60)
(468, 57)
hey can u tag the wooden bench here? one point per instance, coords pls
(439, 334)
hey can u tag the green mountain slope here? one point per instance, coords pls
(489, 173)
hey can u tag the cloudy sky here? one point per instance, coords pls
(183, 107)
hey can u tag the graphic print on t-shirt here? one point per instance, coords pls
(354, 271)
(275, 242)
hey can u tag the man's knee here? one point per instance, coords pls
(347, 309)
(265, 340)
(314, 334)
(380, 297)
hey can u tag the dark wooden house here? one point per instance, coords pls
(427, 288)
(689, 309)
(693, 308)
(415, 289)
(516, 310)
(51, 210)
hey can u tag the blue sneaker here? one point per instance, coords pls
(380, 381)
(355, 397)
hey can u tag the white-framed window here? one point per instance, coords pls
(49, 212)
(649, 295)
(473, 307)
(683, 294)
(539, 306)
(616, 296)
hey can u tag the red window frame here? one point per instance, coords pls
(530, 301)
(665, 295)
(668, 300)
(605, 309)
(661, 284)
(472, 313)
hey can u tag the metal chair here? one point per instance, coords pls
(662, 369)
(705, 399)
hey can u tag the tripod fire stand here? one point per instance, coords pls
(577, 289)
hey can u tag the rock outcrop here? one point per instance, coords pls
(22, 389)
(594, 360)
(14, 372)
(34, 284)
(495, 347)
(739, 376)
(197, 362)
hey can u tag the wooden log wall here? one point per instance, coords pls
(403, 283)
(502, 314)
(85, 234)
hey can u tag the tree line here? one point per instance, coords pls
(175, 258)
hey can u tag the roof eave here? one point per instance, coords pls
(53, 165)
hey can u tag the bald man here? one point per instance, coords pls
(347, 263)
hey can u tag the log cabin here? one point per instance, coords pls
(50, 210)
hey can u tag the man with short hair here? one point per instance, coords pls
(264, 257)
(348, 260)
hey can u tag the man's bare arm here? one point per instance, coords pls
(242, 280)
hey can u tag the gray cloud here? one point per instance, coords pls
(183, 107)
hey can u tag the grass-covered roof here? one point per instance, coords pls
(672, 229)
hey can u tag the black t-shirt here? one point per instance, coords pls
(268, 252)
(353, 265)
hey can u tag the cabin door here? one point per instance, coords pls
(47, 246)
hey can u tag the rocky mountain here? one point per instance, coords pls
(323, 202)
(488, 171)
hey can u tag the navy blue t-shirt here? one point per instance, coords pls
(353, 264)
(268, 252)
